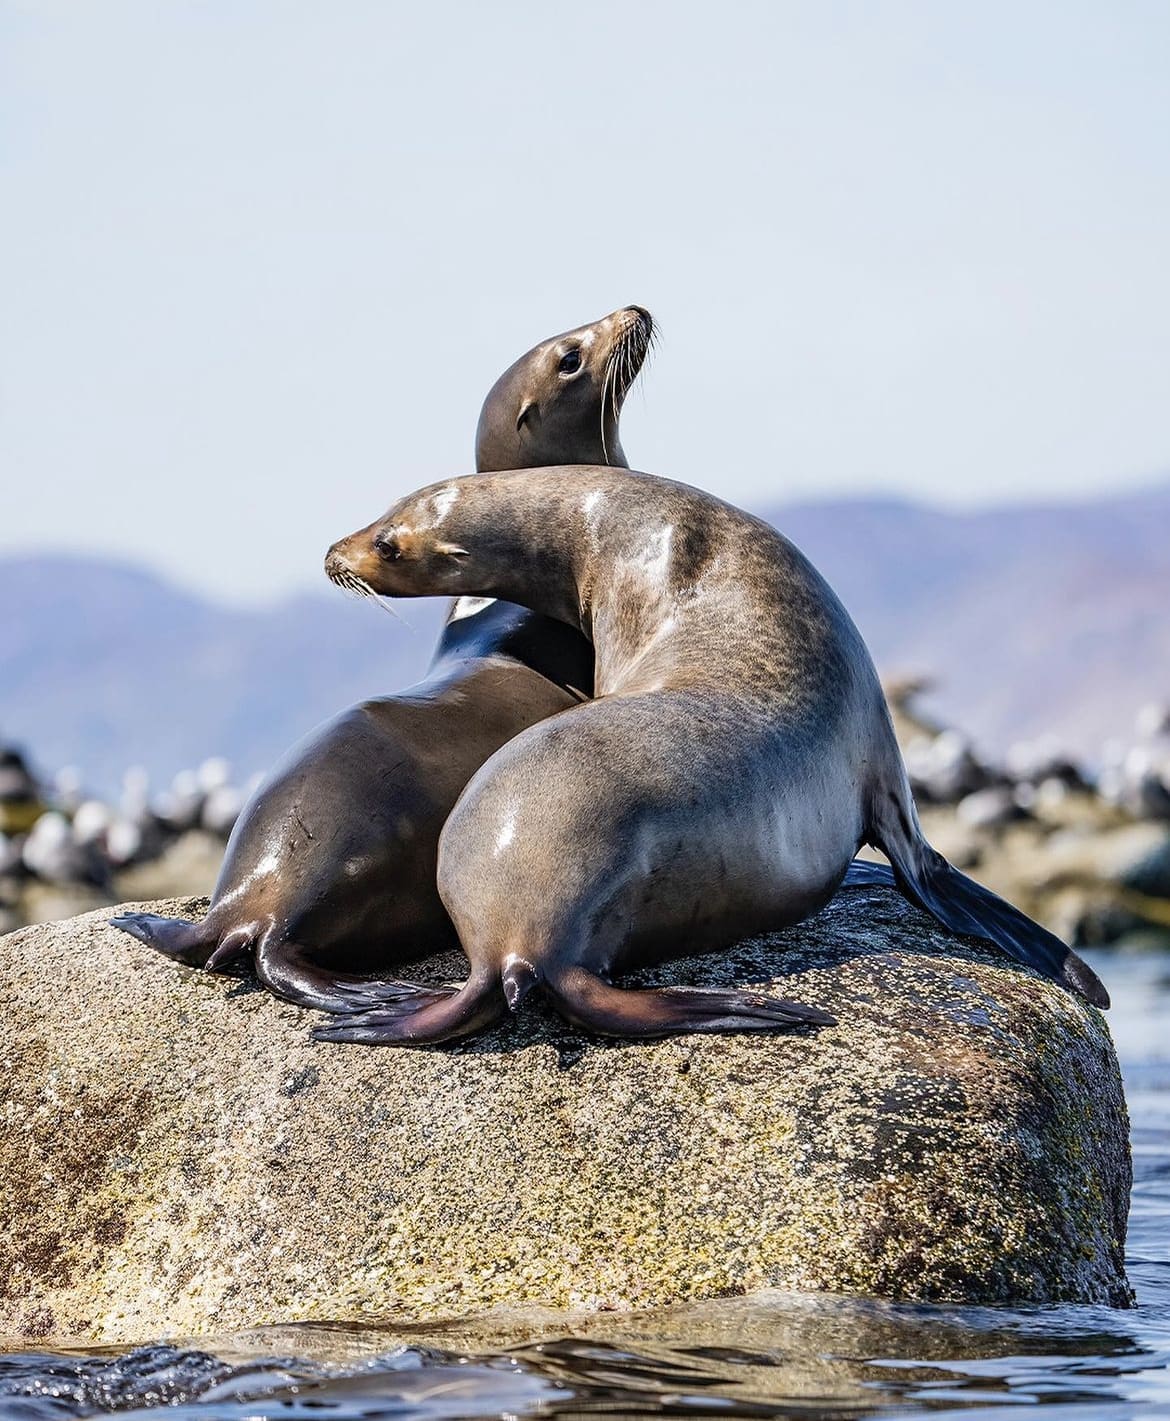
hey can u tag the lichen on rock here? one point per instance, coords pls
(178, 1157)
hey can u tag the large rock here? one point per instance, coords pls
(178, 1157)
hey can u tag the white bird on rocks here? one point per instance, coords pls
(53, 854)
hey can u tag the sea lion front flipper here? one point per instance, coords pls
(586, 1000)
(176, 938)
(426, 1017)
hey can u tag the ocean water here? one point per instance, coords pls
(774, 1354)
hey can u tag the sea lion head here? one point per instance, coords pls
(561, 403)
(406, 553)
(468, 536)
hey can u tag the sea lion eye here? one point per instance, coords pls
(387, 547)
(570, 361)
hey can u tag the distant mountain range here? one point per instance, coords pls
(1031, 620)
(106, 666)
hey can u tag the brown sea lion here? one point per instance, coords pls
(738, 754)
(330, 870)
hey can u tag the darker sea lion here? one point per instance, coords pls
(738, 754)
(331, 865)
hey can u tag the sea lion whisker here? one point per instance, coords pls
(363, 589)
(646, 353)
(390, 609)
(349, 581)
(639, 344)
(629, 374)
(604, 386)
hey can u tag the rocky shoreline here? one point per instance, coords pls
(1084, 851)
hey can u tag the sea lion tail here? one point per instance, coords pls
(964, 906)
(194, 944)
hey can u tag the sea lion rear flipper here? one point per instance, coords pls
(423, 1016)
(964, 906)
(861, 873)
(181, 941)
(289, 972)
(585, 999)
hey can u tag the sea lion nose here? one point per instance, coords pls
(335, 564)
(643, 317)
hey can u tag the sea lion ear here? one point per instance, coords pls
(527, 415)
(451, 550)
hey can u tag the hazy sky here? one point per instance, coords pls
(262, 260)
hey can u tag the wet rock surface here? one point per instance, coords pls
(179, 1158)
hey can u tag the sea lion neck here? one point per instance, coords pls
(546, 565)
(582, 544)
(591, 438)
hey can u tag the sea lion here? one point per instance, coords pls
(738, 753)
(331, 865)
